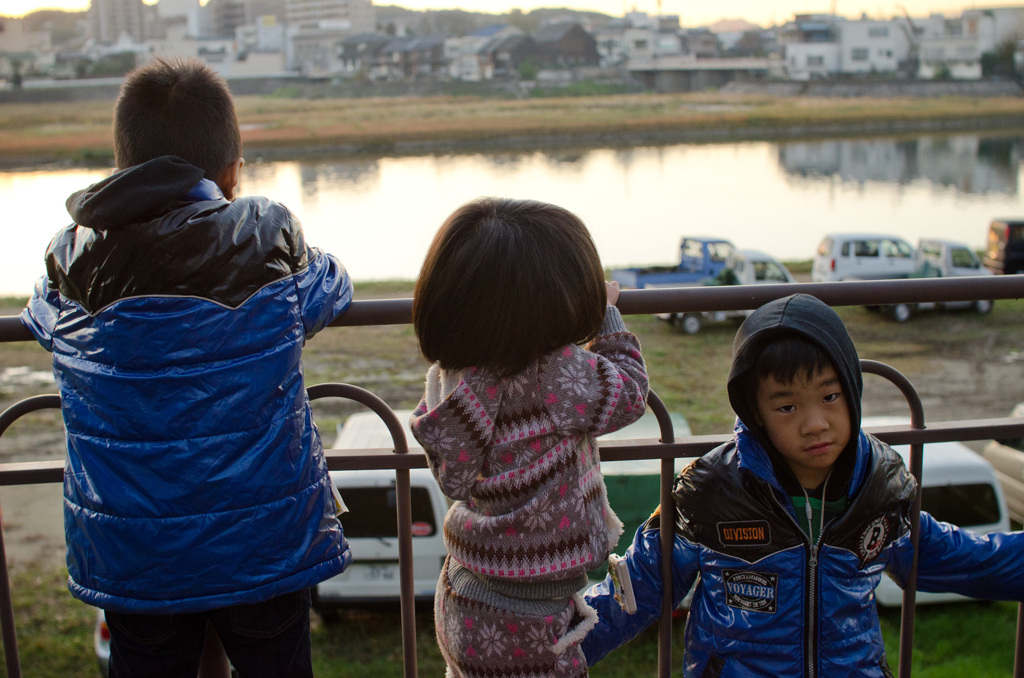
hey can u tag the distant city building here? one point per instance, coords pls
(20, 48)
(509, 53)
(266, 34)
(358, 53)
(172, 8)
(823, 46)
(111, 19)
(868, 46)
(954, 48)
(611, 45)
(466, 56)
(15, 36)
(411, 58)
(566, 45)
(700, 42)
(228, 16)
(275, 8)
(356, 15)
(316, 28)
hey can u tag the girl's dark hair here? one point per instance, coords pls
(786, 356)
(176, 107)
(506, 281)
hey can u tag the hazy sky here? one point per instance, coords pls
(692, 12)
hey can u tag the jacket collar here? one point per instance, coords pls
(754, 458)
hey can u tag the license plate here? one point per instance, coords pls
(380, 572)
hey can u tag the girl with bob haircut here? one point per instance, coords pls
(511, 410)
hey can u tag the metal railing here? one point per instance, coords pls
(667, 449)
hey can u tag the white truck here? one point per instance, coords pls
(936, 258)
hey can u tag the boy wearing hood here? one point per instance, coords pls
(196, 492)
(788, 527)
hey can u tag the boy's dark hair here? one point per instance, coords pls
(506, 281)
(176, 107)
(787, 356)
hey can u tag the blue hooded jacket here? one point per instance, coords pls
(195, 477)
(768, 602)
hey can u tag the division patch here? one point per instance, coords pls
(744, 533)
(751, 591)
(873, 539)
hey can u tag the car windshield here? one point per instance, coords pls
(897, 249)
(962, 505)
(963, 258)
(372, 512)
(768, 270)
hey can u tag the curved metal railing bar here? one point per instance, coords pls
(916, 462)
(10, 636)
(666, 535)
(403, 506)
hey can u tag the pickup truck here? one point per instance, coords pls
(699, 259)
(936, 258)
(739, 267)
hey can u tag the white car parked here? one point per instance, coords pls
(958, 486)
(744, 267)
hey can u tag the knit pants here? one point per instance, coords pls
(509, 637)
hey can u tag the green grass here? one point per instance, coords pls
(958, 640)
(54, 630)
(963, 640)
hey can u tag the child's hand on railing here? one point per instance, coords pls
(613, 291)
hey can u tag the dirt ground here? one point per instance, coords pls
(975, 373)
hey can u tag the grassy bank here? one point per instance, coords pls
(281, 127)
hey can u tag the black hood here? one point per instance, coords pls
(159, 229)
(133, 194)
(816, 322)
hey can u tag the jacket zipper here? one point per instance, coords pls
(810, 644)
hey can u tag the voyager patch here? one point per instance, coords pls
(873, 539)
(744, 533)
(751, 591)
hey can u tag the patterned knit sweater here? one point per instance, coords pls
(518, 456)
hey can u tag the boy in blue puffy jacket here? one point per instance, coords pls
(196, 491)
(788, 527)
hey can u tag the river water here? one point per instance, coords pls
(379, 214)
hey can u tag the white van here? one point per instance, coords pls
(371, 525)
(862, 256)
(958, 486)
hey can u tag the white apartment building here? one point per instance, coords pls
(358, 15)
(110, 19)
(812, 60)
(994, 26)
(873, 46)
(316, 28)
(949, 48)
(821, 46)
(266, 34)
(21, 50)
(954, 47)
(172, 8)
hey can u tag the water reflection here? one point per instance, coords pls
(967, 163)
(365, 173)
(379, 214)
